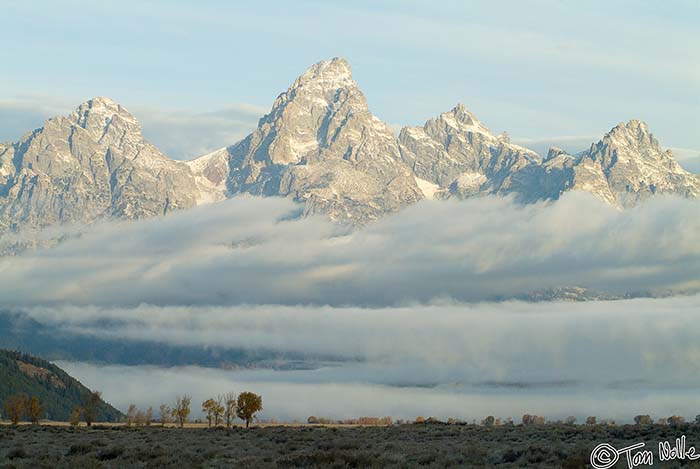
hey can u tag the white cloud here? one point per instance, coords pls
(242, 251)
(610, 359)
(651, 340)
(383, 307)
(288, 400)
(572, 144)
(184, 134)
(689, 158)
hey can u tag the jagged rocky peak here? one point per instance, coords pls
(459, 154)
(458, 119)
(632, 144)
(321, 145)
(625, 167)
(302, 118)
(632, 137)
(92, 163)
(555, 152)
(105, 118)
(462, 115)
(100, 110)
(327, 75)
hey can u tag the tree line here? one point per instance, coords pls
(224, 409)
(22, 407)
(219, 410)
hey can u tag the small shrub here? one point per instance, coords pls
(108, 454)
(488, 421)
(79, 448)
(17, 453)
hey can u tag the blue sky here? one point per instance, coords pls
(199, 74)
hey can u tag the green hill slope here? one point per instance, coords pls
(57, 391)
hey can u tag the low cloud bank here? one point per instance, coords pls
(397, 318)
(616, 343)
(253, 251)
(288, 401)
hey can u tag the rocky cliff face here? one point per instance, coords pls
(625, 167)
(458, 155)
(630, 161)
(91, 164)
(322, 146)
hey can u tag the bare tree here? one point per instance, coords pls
(165, 414)
(140, 418)
(90, 407)
(149, 416)
(229, 408)
(131, 415)
(533, 420)
(218, 410)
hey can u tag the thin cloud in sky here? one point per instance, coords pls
(179, 133)
(505, 59)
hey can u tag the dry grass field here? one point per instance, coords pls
(410, 445)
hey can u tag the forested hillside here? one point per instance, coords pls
(58, 393)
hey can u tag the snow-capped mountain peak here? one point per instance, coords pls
(321, 146)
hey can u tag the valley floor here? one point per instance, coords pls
(410, 445)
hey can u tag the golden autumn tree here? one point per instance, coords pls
(33, 409)
(181, 411)
(208, 408)
(247, 405)
(13, 407)
(75, 417)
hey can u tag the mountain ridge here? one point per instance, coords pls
(58, 392)
(320, 145)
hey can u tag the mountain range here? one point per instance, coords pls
(321, 146)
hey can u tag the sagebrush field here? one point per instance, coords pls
(409, 445)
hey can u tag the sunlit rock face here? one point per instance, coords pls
(321, 146)
(91, 164)
(463, 157)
